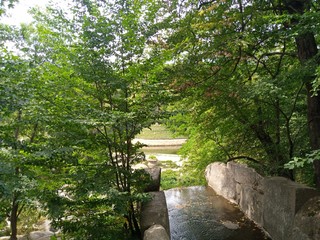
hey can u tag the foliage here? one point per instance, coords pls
(84, 90)
(239, 84)
(5, 4)
(78, 86)
(20, 118)
(182, 178)
(157, 131)
(110, 114)
(173, 179)
(299, 162)
(169, 179)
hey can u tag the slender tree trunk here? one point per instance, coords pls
(14, 219)
(137, 231)
(15, 205)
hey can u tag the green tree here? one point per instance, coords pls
(100, 89)
(5, 4)
(20, 120)
(302, 14)
(235, 66)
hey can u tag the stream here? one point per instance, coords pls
(198, 213)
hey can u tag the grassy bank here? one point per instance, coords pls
(157, 131)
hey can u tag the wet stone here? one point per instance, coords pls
(198, 213)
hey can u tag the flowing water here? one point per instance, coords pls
(198, 213)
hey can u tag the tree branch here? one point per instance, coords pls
(201, 4)
(244, 157)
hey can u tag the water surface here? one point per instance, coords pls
(198, 213)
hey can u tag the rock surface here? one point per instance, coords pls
(285, 209)
(219, 178)
(307, 221)
(156, 232)
(155, 212)
(155, 174)
(282, 199)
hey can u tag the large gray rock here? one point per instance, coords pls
(249, 194)
(155, 212)
(220, 178)
(156, 232)
(155, 174)
(282, 200)
(281, 207)
(243, 174)
(251, 203)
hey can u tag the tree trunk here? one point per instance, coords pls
(307, 50)
(314, 127)
(14, 219)
(276, 158)
(137, 231)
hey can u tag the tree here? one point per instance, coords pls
(98, 95)
(234, 65)
(20, 123)
(307, 51)
(89, 86)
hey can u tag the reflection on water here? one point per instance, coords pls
(198, 213)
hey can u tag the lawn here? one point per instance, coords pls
(157, 131)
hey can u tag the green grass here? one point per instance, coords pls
(169, 179)
(157, 131)
(168, 164)
(173, 179)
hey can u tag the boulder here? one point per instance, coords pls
(251, 203)
(283, 208)
(155, 174)
(220, 178)
(243, 174)
(156, 232)
(282, 200)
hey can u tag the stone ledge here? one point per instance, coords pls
(155, 212)
(276, 204)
